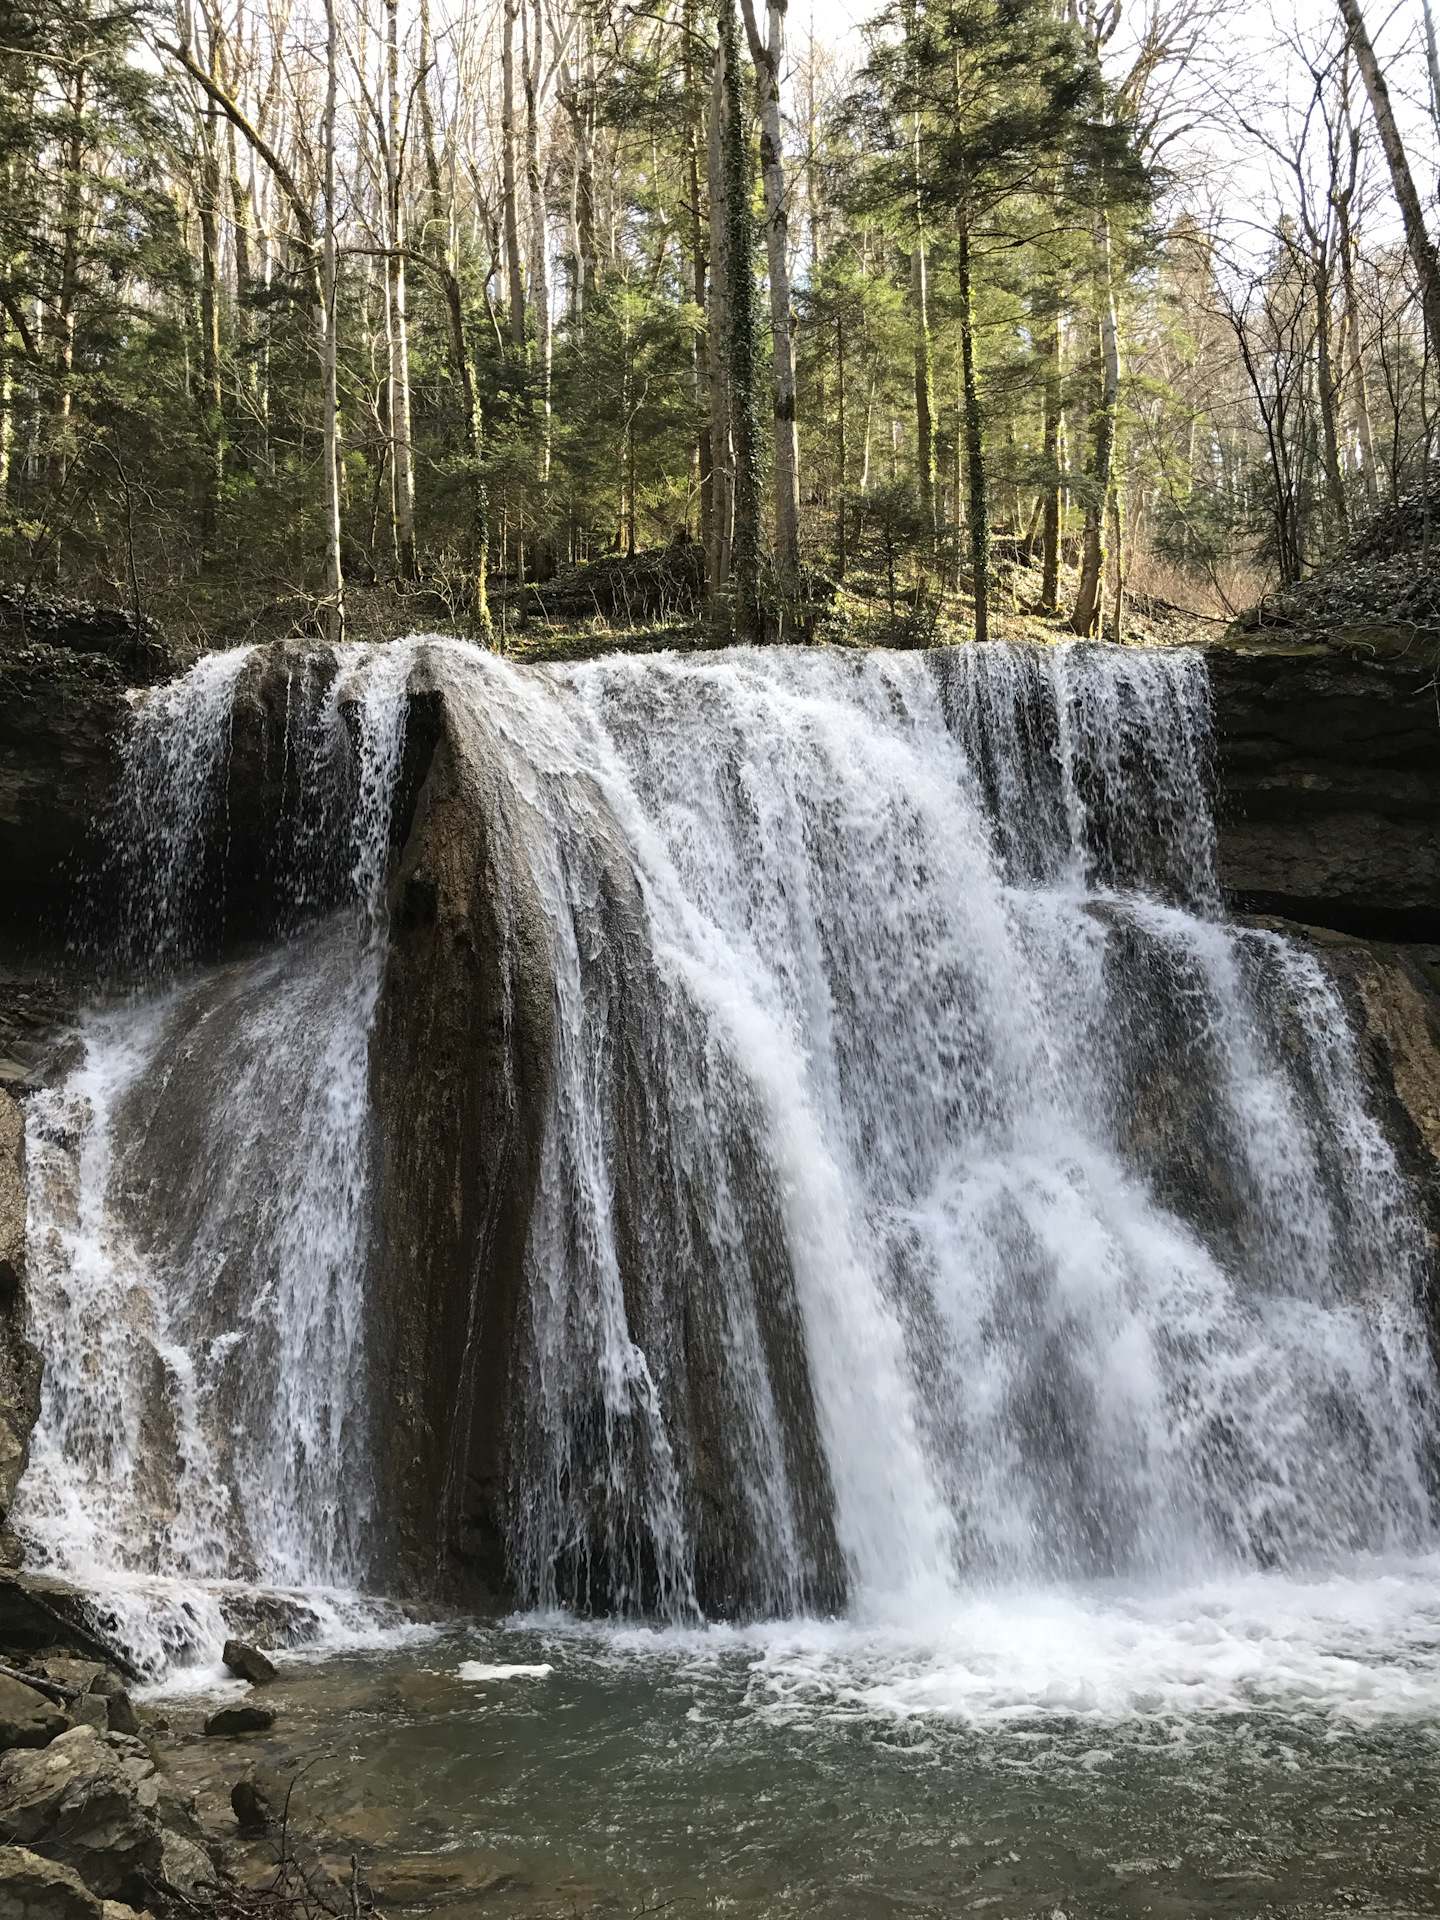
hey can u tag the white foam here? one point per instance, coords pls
(478, 1670)
(1347, 1649)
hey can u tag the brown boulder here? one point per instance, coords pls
(248, 1663)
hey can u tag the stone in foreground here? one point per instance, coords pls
(27, 1718)
(248, 1663)
(32, 1888)
(246, 1719)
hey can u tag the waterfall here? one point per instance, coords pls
(935, 1191)
(199, 1181)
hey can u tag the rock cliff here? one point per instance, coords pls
(1328, 770)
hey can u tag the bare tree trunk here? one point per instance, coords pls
(72, 212)
(1354, 354)
(699, 343)
(1117, 545)
(402, 456)
(515, 289)
(924, 406)
(1086, 617)
(767, 56)
(722, 509)
(978, 504)
(1432, 61)
(335, 574)
(539, 266)
(1050, 524)
(924, 400)
(1327, 387)
(740, 333)
(1422, 250)
(840, 554)
(435, 210)
(211, 396)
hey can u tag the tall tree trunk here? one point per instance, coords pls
(1117, 555)
(539, 265)
(71, 214)
(7, 415)
(840, 554)
(722, 491)
(1354, 354)
(402, 457)
(699, 344)
(767, 56)
(474, 451)
(212, 399)
(334, 570)
(1086, 617)
(515, 272)
(924, 397)
(977, 480)
(439, 233)
(435, 199)
(1327, 390)
(1050, 492)
(1422, 251)
(740, 368)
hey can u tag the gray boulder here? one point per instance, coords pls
(32, 1888)
(27, 1718)
(94, 1802)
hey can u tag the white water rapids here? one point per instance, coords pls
(1105, 1278)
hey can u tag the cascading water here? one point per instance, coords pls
(1102, 1267)
(935, 1194)
(200, 1197)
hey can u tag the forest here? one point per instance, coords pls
(476, 314)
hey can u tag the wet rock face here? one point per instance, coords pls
(1329, 782)
(20, 1363)
(460, 1067)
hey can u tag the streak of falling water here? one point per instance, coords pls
(1103, 1267)
(199, 1198)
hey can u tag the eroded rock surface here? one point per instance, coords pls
(96, 1803)
(34, 1888)
(20, 1363)
(1329, 780)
